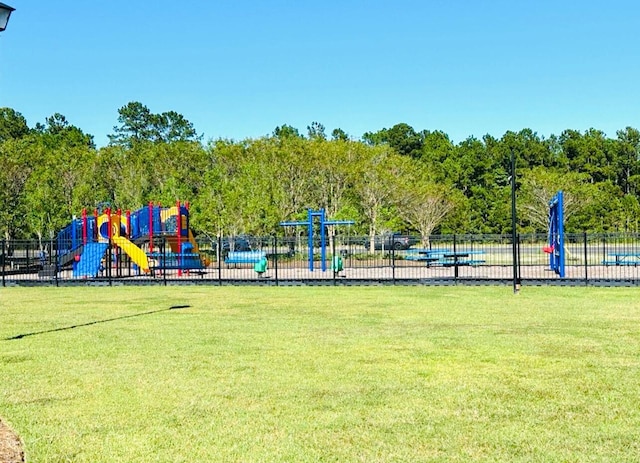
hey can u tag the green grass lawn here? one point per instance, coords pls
(322, 374)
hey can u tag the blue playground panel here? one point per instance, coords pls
(89, 264)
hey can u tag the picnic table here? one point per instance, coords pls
(622, 258)
(425, 255)
(446, 258)
(458, 259)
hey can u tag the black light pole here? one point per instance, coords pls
(516, 283)
(5, 14)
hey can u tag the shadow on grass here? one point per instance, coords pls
(65, 328)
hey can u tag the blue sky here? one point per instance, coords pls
(239, 68)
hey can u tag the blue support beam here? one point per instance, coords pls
(556, 234)
(311, 214)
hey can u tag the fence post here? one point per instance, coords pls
(455, 263)
(163, 249)
(219, 259)
(109, 259)
(519, 260)
(393, 256)
(586, 256)
(4, 259)
(333, 258)
(50, 261)
(275, 258)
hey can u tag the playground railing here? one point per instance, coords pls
(590, 259)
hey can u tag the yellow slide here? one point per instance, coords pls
(138, 256)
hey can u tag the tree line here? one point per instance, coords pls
(395, 179)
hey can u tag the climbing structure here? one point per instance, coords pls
(85, 241)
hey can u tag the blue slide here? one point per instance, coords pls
(90, 260)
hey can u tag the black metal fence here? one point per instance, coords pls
(591, 259)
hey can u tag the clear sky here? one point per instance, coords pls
(239, 68)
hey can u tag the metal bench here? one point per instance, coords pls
(245, 257)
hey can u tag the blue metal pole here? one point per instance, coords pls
(74, 234)
(323, 243)
(561, 233)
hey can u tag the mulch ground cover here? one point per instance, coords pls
(10, 445)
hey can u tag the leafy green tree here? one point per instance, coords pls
(172, 127)
(601, 213)
(591, 153)
(57, 131)
(129, 178)
(422, 203)
(375, 180)
(539, 185)
(331, 169)
(208, 207)
(17, 158)
(475, 168)
(530, 149)
(44, 214)
(175, 170)
(629, 214)
(221, 199)
(339, 134)
(401, 137)
(135, 181)
(286, 131)
(13, 125)
(46, 177)
(72, 169)
(296, 181)
(439, 155)
(257, 183)
(398, 179)
(628, 160)
(138, 123)
(275, 195)
(316, 131)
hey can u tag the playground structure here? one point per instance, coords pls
(336, 261)
(154, 245)
(135, 236)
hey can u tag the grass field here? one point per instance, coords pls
(322, 374)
